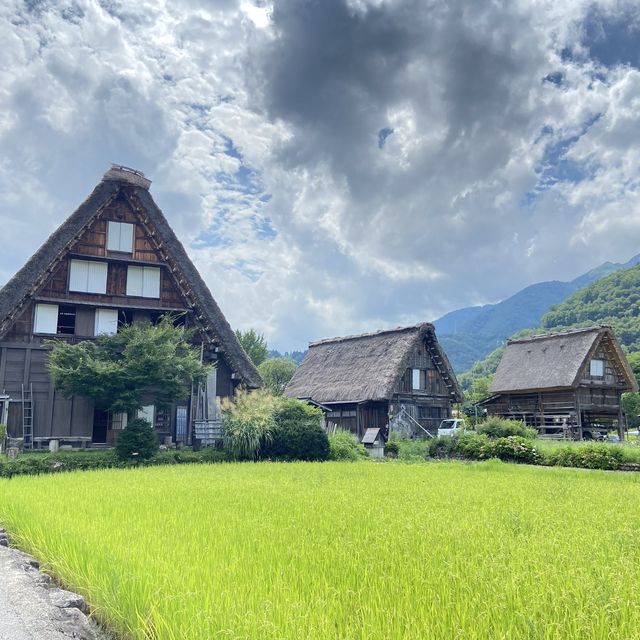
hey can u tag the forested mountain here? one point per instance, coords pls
(470, 333)
(613, 299)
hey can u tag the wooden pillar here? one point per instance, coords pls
(541, 428)
(620, 419)
(578, 414)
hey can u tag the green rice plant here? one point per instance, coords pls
(332, 550)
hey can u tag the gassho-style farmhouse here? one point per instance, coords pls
(116, 261)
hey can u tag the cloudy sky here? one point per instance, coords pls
(334, 166)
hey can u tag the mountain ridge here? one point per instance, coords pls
(470, 333)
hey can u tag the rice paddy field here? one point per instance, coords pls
(339, 550)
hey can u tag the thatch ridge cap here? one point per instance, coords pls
(558, 334)
(372, 334)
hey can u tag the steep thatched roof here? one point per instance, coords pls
(134, 187)
(364, 367)
(554, 361)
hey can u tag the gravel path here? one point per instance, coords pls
(33, 608)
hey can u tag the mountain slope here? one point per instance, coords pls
(613, 299)
(470, 333)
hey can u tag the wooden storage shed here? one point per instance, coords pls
(398, 378)
(115, 260)
(563, 384)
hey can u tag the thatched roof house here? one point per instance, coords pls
(574, 377)
(382, 370)
(113, 261)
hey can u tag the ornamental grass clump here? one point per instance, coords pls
(248, 424)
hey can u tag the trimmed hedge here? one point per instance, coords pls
(43, 463)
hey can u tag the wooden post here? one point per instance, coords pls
(620, 419)
(578, 414)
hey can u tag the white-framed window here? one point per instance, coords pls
(143, 281)
(120, 237)
(415, 379)
(88, 276)
(46, 318)
(106, 321)
(596, 368)
(148, 413)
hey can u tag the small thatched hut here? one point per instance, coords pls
(399, 378)
(564, 383)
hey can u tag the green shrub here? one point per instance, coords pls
(392, 449)
(249, 424)
(343, 445)
(298, 433)
(499, 428)
(442, 447)
(474, 446)
(137, 441)
(587, 456)
(515, 449)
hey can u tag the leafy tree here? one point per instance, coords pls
(276, 373)
(631, 406)
(634, 361)
(254, 345)
(119, 370)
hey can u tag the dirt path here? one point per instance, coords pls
(33, 608)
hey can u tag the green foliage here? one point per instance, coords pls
(276, 373)
(343, 445)
(631, 406)
(392, 448)
(499, 428)
(137, 441)
(45, 462)
(412, 449)
(254, 345)
(614, 300)
(634, 361)
(261, 425)
(249, 424)
(472, 446)
(3, 435)
(587, 456)
(479, 446)
(515, 449)
(118, 370)
(298, 433)
(443, 447)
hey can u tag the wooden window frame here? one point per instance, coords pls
(115, 236)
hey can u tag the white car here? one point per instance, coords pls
(451, 427)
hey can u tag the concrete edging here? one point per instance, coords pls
(33, 607)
